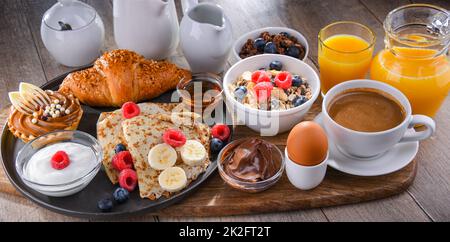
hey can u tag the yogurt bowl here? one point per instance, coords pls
(34, 165)
(273, 122)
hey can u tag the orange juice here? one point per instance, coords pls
(421, 74)
(343, 57)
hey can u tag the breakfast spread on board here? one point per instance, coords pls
(161, 150)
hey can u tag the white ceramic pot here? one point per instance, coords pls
(372, 144)
(206, 37)
(79, 46)
(270, 123)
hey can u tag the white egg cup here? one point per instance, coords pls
(305, 177)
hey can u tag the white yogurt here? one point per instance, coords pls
(39, 168)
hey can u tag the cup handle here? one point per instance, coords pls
(421, 135)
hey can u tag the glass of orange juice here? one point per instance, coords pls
(345, 53)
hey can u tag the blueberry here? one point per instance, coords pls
(105, 205)
(240, 92)
(216, 145)
(276, 65)
(270, 48)
(121, 195)
(119, 148)
(285, 34)
(297, 81)
(300, 100)
(259, 44)
(293, 51)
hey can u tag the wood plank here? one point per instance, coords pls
(432, 185)
(19, 209)
(313, 215)
(385, 210)
(20, 61)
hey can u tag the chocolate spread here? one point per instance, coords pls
(252, 160)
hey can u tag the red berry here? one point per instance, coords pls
(128, 179)
(174, 138)
(263, 91)
(283, 80)
(221, 131)
(130, 110)
(260, 76)
(60, 160)
(122, 160)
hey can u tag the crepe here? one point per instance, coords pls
(109, 132)
(145, 131)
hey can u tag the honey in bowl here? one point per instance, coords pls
(201, 92)
(366, 110)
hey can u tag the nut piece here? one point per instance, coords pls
(279, 94)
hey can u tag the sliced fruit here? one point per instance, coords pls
(130, 110)
(193, 153)
(60, 160)
(221, 131)
(174, 138)
(18, 103)
(34, 95)
(128, 179)
(162, 156)
(173, 179)
(122, 160)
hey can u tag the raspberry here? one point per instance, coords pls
(263, 91)
(283, 80)
(221, 131)
(128, 179)
(260, 76)
(130, 110)
(60, 160)
(174, 138)
(122, 160)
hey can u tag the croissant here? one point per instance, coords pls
(120, 76)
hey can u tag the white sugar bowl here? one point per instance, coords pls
(72, 32)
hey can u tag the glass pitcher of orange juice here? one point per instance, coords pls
(415, 59)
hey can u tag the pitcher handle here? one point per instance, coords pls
(421, 135)
(186, 5)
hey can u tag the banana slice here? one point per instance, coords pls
(172, 179)
(18, 103)
(33, 94)
(162, 156)
(193, 153)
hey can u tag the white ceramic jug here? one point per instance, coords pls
(149, 27)
(205, 36)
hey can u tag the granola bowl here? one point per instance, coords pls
(240, 43)
(270, 122)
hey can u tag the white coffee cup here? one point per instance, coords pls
(371, 144)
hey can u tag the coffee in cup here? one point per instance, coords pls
(366, 118)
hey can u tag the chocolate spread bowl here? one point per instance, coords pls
(247, 174)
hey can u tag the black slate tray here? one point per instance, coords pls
(84, 203)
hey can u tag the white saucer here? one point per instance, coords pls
(393, 160)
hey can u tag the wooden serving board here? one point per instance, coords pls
(216, 198)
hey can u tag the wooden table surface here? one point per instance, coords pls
(24, 58)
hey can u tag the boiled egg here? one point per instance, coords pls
(307, 144)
